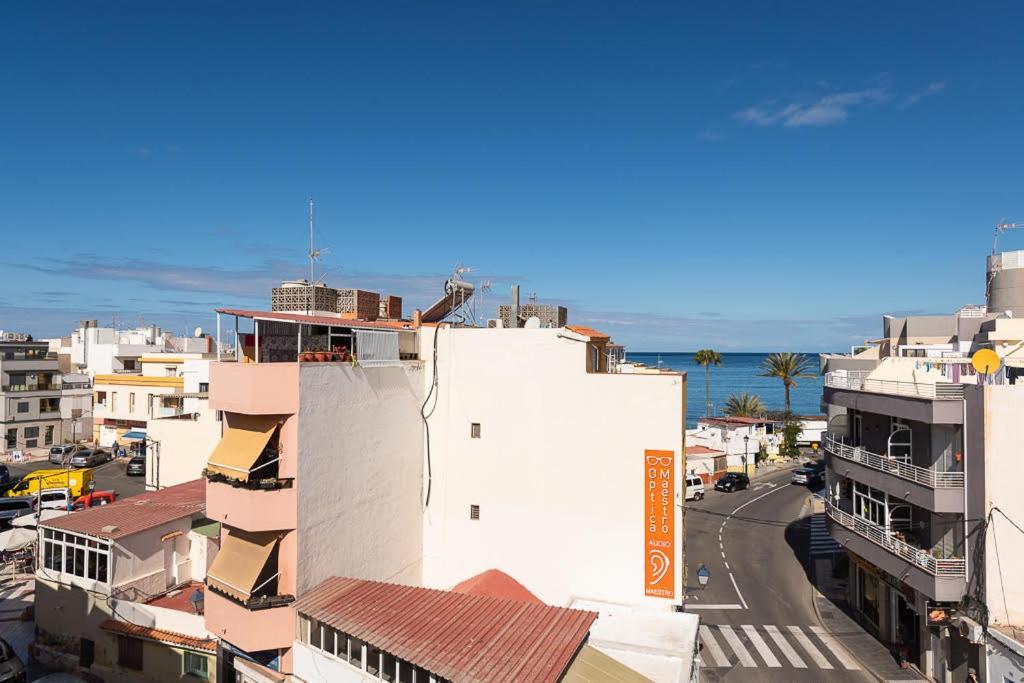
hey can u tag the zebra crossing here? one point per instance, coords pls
(798, 647)
(822, 542)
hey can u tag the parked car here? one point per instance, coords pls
(806, 476)
(89, 458)
(16, 507)
(12, 669)
(59, 453)
(94, 499)
(5, 475)
(733, 481)
(694, 487)
(136, 466)
(54, 499)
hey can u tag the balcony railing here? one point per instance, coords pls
(919, 475)
(857, 380)
(30, 387)
(944, 567)
(127, 371)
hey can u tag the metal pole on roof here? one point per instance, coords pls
(256, 331)
(218, 336)
(238, 357)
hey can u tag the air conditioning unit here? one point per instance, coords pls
(969, 629)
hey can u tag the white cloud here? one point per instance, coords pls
(823, 111)
(929, 90)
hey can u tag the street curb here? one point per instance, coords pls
(809, 504)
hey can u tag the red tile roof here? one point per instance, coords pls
(137, 513)
(702, 450)
(587, 331)
(453, 635)
(318, 319)
(178, 598)
(168, 637)
(497, 584)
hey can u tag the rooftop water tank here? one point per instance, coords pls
(1005, 286)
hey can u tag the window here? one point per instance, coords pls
(196, 665)
(22, 406)
(83, 557)
(303, 635)
(49, 405)
(315, 632)
(129, 364)
(31, 432)
(474, 512)
(48, 438)
(129, 653)
(204, 386)
(387, 667)
(474, 430)
(131, 402)
(101, 398)
(372, 660)
(113, 400)
(170, 371)
(12, 438)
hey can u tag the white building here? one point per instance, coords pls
(76, 407)
(105, 350)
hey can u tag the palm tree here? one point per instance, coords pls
(744, 405)
(707, 358)
(787, 367)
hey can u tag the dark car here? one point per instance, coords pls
(807, 476)
(136, 466)
(5, 475)
(12, 669)
(88, 458)
(733, 481)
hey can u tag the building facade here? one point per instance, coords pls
(436, 454)
(919, 464)
(30, 396)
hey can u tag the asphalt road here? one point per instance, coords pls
(757, 619)
(108, 476)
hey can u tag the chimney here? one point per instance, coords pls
(416, 315)
(515, 306)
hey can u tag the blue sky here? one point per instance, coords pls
(755, 176)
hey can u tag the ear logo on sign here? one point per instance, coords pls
(660, 564)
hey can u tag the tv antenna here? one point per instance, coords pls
(485, 287)
(532, 297)
(1001, 227)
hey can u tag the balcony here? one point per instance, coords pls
(942, 579)
(858, 380)
(252, 630)
(17, 388)
(255, 388)
(927, 488)
(251, 508)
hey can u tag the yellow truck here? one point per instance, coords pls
(78, 482)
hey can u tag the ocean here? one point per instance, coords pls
(738, 372)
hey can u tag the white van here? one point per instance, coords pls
(53, 499)
(694, 487)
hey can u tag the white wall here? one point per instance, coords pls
(360, 476)
(1004, 552)
(183, 445)
(558, 472)
(316, 667)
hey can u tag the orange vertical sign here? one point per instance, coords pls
(659, 524)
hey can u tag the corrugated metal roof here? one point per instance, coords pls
(161, 636)
(594, 666)
(457, 636)
(137, 513)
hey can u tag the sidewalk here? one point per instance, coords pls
(16, 594)
(834, 614)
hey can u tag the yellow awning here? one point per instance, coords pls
(240, 561)
(241, 445)
(593, 666)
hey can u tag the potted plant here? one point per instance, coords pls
(321, 356)
(306, 357)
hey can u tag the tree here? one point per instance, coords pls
(787, 367)
(744, 405)
(707, 358)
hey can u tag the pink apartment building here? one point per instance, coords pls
(439, 453)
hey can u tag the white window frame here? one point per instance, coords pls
(54, 539)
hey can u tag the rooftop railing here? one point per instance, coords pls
(30, 387)
(919, 475)
(857, 380)
(939, 567)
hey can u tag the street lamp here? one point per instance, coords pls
(746, 441)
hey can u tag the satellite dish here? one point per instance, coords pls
(985, 361)
(198, 333)
(532, 323)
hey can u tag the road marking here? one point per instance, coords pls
(761, 646)
(737, 646)
(807, 645)
(738, 594)
(726, 565)
(711, 644)
(723, 554)
(692, 607)
(837, 650)
(784, 645)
